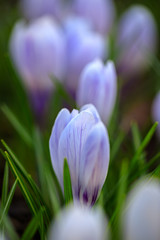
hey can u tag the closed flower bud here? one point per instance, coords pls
(82, 139)
(98, 85)
(156, 112)
(38, 53)
(83, 46)
(100, 13)
(136, 40)
(77, 223)
(142, 213)
(37, 8)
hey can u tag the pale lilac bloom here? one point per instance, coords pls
(136, 40)
(38, 52)
(100, 13)
(82, 139)
(83, 45)
(156, 112)
(79, 223)
(141, 217)
(98, 85)
(37, 8)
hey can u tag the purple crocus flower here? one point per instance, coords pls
(136, 40)
(141, 216)
(98, 85)
(82, 139)
(100, 13)
(156, 112)
(38, 52)
(37, 8)
(83, 45)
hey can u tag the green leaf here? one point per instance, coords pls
(21, 183)
(9, 229)
(41, 163)
(55, 201)
(17, 125)
(152, 161)
(34, 197)
(144, 144)
(33, 226)
(137, 144)
(156, 172)
(8, 203)
(5, 185)
(121, 191)
(116, 146)
(145, 167)
(67, 183)
(136, 136)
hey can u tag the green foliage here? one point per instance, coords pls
(67, 183)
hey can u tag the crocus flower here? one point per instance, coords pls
(156, 112)
(100, 13)
(38, 53)
(142, 213)
(98, 85)
(82, 139)
(136, 40)
(83, 45)
(37, 8)
(79, 223)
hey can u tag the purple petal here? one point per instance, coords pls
(91, 109)
(61, 121)
(102, 21)
(83, 47)
(95, 161)
(98, 85)
(71, 144)
(156, 112)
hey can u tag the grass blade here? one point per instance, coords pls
(24, 173)
(9, 229)
(17, 125)
(8, 203)
(67, 183)
(144, 144)
(5, 185)
(33, 226)
(21, 183)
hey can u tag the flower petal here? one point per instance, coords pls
(61, 121)
(71, 143)
(90, 108)
(95, 161)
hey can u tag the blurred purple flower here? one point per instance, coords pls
(79, 223)
(83, 46)
(38, 52)
(98, 85)
(82, 139)
(142, 212)
(37, 8)
(136, 40)
(156, 112)
(100, 13)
